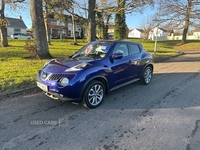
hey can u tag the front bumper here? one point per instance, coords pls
(58, 93)
(49, 83)
(57, 96)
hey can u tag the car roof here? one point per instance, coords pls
(116, 41)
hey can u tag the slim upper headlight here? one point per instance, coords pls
(78, 67)
(64, 81)
(46, 63)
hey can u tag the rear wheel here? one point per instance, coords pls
(94, 94)
(147, 75)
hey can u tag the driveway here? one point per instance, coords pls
(161, 116)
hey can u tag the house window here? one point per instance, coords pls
(53, 22)
(69, 33)
(69, 25)
(17, 30)
(77, 26)
(77, 34)
(60, 23)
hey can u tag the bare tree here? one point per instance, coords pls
(13, 5)
(147, 25)
(74, 28)
(187, 20)
(120, 21)
(46, 20)
(183, 13)
(119, 8)
(102, 22)
(39, 29)
(91, 21)
(103, 19)
(3, 23)
(89, 9)
(58, 8)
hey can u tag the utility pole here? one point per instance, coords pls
(158, 19)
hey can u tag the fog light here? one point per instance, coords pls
(64, 81)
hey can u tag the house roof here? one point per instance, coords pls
(162, 29)
(140, 30)
(196, 30)
(16, 23)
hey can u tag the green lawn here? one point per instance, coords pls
(18, 71)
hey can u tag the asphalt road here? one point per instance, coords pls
(164, 115)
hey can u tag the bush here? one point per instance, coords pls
(30, 47)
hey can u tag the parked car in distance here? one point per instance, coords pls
(111, 36)
(97, 68)
(20, 36)
(52, 36)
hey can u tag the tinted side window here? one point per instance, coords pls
(121, 48)
(134, 49)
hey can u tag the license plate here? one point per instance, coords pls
(42, 86)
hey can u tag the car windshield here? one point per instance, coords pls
(92, 51)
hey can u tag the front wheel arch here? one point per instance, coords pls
(98, 78)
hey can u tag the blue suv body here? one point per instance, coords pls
(94, 70)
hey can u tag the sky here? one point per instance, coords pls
(133, 20)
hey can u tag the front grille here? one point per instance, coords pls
(59, 76)
(46, 76)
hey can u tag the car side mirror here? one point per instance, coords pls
(117, 56)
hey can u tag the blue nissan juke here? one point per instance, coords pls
(97, 68)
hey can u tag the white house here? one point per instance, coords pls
(160, 33)
(16, 25)
(77, 30)
(196, 33)
(136, 33)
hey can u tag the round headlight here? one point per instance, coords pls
(64, 81)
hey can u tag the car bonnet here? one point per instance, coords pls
(59, 66)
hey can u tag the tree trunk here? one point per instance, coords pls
(39, 29)
(47, 31)
(120, 22)
(187, 21)
(74, 29)
(105, 34)
(91, 35)
(4, 40)
(184, 38)
(100, 25)
(46, 23)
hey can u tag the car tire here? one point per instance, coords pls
(94, 94)
(147, 75)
